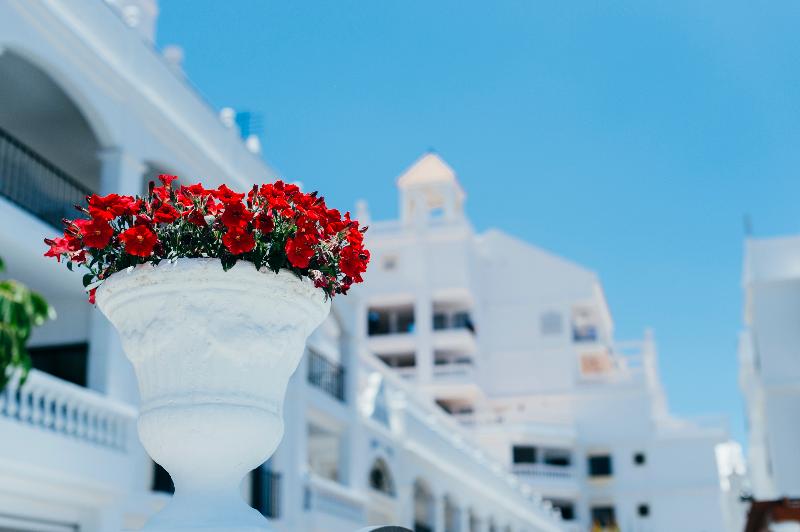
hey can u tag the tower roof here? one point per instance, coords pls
(428, 169)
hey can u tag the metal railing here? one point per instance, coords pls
(35, 184)
(266, 492)
(538, 470)
(326, 375)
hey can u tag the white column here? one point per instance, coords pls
(438, 512)
(423, 331)
(109, 369)
(121, 172)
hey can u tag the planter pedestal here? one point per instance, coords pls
(213, 352)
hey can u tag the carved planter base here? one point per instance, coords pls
(213, 352)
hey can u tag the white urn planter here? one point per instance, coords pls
(213, 352)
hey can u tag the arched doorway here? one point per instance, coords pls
(424, 507)
(48, 150)
(382, 503)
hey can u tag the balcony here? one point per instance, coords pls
(544, 471)
(35, 184)
(94, 435)
(326, 375)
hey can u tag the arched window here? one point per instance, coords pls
(380, 477)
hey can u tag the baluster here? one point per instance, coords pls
(24, 413)
(69, 416)
(12, 404)
(90, 425)
(36, 405)
(59, 413)
(80, 421)
(47, 408)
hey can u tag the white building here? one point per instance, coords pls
(517, 344)
(769, 361)
(88, 105)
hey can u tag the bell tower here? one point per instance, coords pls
(429, 191)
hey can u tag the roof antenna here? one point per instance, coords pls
(747, 225)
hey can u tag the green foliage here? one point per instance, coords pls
(20, 311)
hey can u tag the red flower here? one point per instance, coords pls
(166, 214)
(238, 241)
(139, 240)
(353, 262)
(91, 295)
(97, 233)
(299, 251)
(195, 216)
(115, 204)
(60, 246)
(264, 223)
(226, 195)
(167, 179)
(236, 215)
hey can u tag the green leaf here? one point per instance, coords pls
(87, 279)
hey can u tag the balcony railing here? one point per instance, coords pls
(544, 471)
(326, 375)
(51, 404)
(266, 492)
(35, 184)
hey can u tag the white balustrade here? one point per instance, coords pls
(55, 405)
(545, 471)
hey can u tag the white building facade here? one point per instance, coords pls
(517, 344)
(769, 365)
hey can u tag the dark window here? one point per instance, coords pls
(162, 482)
(265, 491)
(326, 375)
(377, 322)
(524, 454)
(562, 459)
(405, 321)
(462, 320)
(567, 509)
(600, 466)
(643, 510)
(439, 321)
(67, 362)
(639, 459)
(604, 516)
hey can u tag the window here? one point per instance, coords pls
(524, 454)
(67, 362)
(162, 482)
(643, 510)
(603, 516)
(550, 324)
(639, 459)
(600, 465)
(567, 508)
(439, 321)
(265, 491)
(557, 457)
(380, 478)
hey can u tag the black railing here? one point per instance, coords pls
(35, 184)
(326, 375)
(265, 492)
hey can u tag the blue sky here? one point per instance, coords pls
(630, 137)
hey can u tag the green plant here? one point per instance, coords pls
(20, 311)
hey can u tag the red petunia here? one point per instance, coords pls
(97, 233)
(115, 204)
(92, 293)
(195, 217)
(167, 179)
(166, 214)
(264, 223)
(299, 251)
(226, 195)
(139, 240)
(60, 246)
(236, 215)
(238, 241)
(353, 262)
